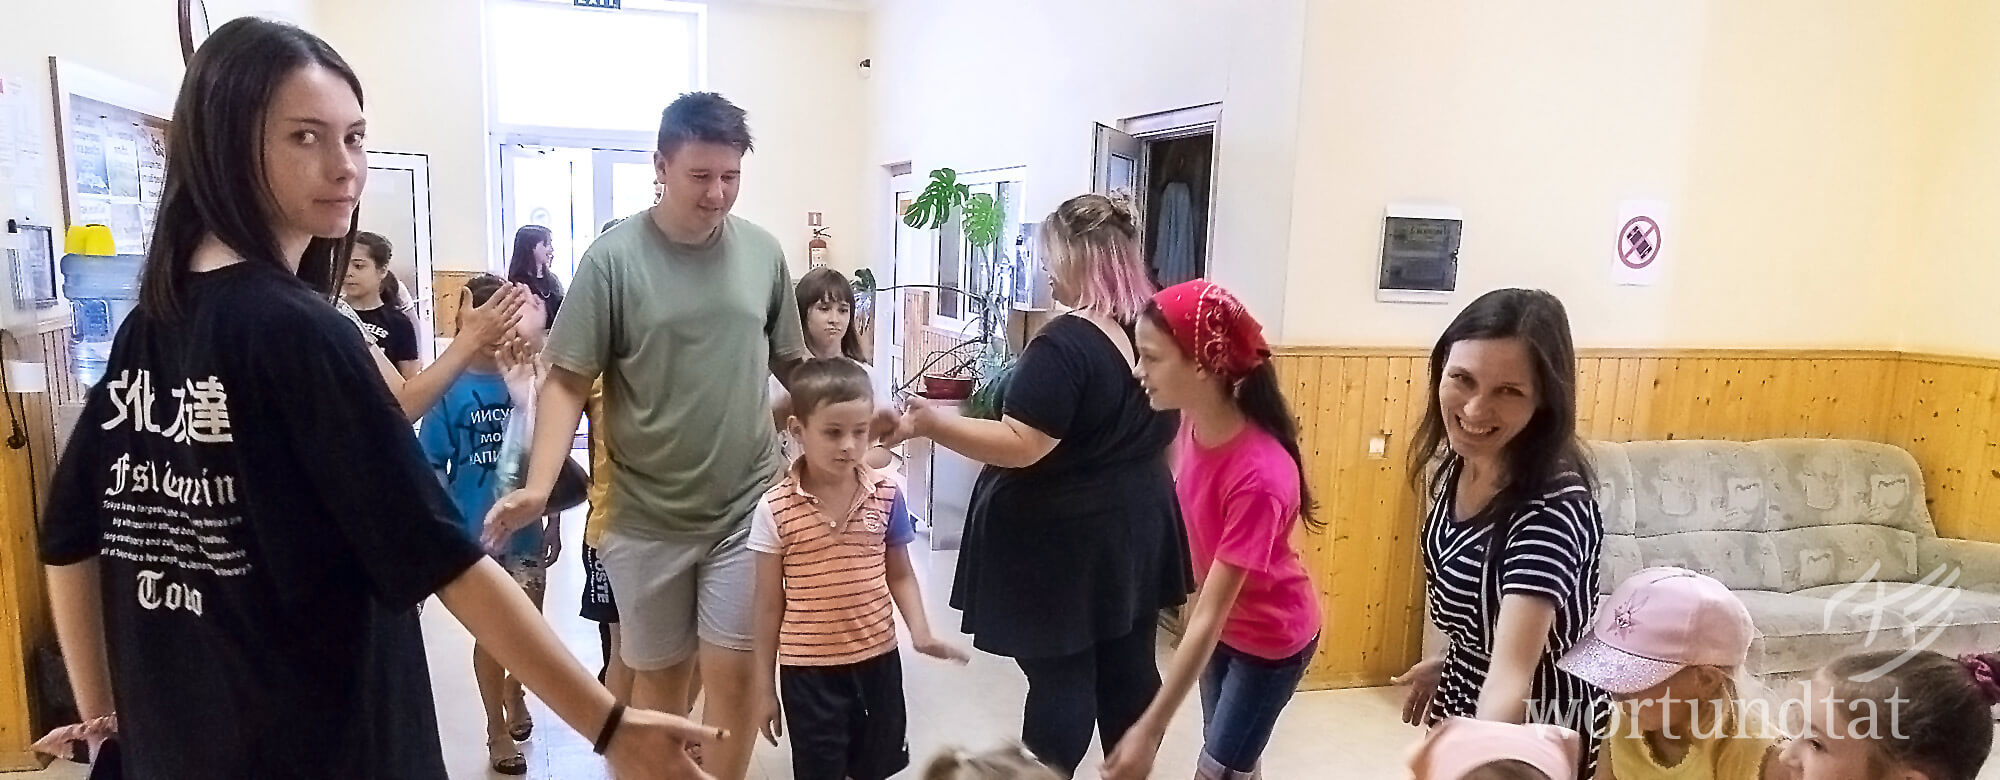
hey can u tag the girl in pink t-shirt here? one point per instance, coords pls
(1241, 483)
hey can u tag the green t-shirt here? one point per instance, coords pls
(683, 337)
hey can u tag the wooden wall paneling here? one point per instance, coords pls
(1626, 410)
(1644, 418)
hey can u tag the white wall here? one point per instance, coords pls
(981, 85)
(1788, 136)
(421, 66)
(134, 40)
(792, 68)
(1952, 276)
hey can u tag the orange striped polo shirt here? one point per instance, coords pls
(837, 605)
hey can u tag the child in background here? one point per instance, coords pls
(832, 561)
(826, 312)
(462, 438)
(1926, 717)
(1014, 763)
(1242, 490)
(1668, 646)
(1467, 749)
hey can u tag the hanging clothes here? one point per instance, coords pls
(1175, 259)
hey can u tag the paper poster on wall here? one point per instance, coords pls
(91, 176)
(128, 230)
(92, 211)
(121, 163)
(1640, 246)
(152, 164)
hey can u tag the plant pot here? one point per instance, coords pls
(938, 387)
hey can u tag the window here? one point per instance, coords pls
(561, 67)
(971, 269)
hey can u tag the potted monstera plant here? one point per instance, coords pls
(980, 219)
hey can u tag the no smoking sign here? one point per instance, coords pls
(1640, 241)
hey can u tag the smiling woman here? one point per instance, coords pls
(1512, 539)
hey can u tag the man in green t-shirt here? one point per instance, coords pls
(683, 311)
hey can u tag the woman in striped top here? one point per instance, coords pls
(1512, 539)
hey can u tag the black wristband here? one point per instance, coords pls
(611, 722)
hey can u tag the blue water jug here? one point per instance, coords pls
(102, 288)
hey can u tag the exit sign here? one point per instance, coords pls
(611, 4)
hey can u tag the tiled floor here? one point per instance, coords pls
(1335, 734)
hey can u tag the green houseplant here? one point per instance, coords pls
(980, 217)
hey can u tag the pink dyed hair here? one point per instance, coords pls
(1093, 242)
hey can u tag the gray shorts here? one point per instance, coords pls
(675, 595)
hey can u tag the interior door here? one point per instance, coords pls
(1120, 168)
(396, 204)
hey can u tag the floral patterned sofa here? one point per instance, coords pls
(1827, 542)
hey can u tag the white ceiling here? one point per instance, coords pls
(831, 5)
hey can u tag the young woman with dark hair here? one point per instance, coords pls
(1242, 488)
(377, 299)
(1513, 535)
(528, 266)
(239, 531)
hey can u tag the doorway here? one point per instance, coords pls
(571, 190)
(1164, 165)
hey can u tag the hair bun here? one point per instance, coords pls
(1086, 213)
(1985, 677)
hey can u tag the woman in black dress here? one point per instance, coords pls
(534, 250)
(241, 526)
(1499, 456)
(1074, 541)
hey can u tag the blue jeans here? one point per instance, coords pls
(1241, 696)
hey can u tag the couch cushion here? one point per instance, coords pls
(1619, 558)
(1614, 486)
(1813, 557)
(1944, 619)
(1798, 633)
(1697, 486)
(1817, 482)
(1739, 559)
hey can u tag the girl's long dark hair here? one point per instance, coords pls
(826, 284)
(1259, 398)
(379, 250)
(526, 269)
(1548, 448)
(215, 179)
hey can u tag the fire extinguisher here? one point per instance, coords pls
(816, 250)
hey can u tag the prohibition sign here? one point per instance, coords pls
(1639, 242)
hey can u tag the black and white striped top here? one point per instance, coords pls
(1553, 544)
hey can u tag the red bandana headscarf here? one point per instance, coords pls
(1214, 328)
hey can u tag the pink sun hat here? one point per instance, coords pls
(1459, 745)
(1661, 621)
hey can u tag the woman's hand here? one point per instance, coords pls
(650, 746)
(1423, 681)
(1133, 758)
(517, 367)
(495, 319)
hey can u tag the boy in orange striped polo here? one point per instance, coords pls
(832, 570)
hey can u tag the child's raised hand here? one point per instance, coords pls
(770, 717)
(943, 651)
(493, 320)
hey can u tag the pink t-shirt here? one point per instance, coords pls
(1240, 502)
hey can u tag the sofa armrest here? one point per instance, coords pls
(1977, 563)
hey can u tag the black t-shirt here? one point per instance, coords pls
(1088, 543)
(265, 527)
(390, 329)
